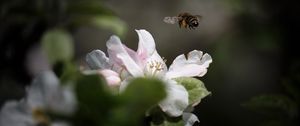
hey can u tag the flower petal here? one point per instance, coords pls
(14, 113)
(60, 123)
(46, 93)
(124, 84)
(146, 45)
(42, 86)
(113, 79)
(118, 53)
(134, 56)
(63, 101)
(176, 101)
(195, 65)
(189, 119)
(97, 60)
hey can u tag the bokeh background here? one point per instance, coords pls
(253, 43)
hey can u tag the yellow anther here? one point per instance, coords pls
(158, 66)
(40, 116)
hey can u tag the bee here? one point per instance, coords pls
(185, 20)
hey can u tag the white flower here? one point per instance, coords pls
(15, 113)
(147, 62)
(44, 94)
(189, 119)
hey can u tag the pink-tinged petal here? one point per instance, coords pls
(113, 81)
(120, 56)
(176, 101)
(146, 45)
(195, 65)
(134, 56)
(118, 66)
(108, 72)
(97, 60)
(112, 78)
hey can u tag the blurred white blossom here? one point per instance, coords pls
(45, 94)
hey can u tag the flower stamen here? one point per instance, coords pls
(154, 67)
(123, 69)
(40, 116)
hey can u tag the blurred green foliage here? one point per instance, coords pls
(277, 109)
(159, 118)
(138, 98)
(111, 23)
(69, 14)
(58, 44)
(273, 105)
(98, 106)
(24, 23)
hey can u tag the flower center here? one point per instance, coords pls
(154, 67)
(40, 116)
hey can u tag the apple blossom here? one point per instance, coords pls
(45, 94)
(146, 62)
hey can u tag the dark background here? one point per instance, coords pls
(253, 43)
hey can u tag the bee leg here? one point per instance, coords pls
(193, 27)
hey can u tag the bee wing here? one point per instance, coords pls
(199, 17)
(171, 20)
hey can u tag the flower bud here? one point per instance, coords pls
(112, 78)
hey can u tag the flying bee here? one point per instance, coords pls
(184, 20)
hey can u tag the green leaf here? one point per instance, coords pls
(111, 23)
(195, 88)
(274, 123)
(292, 89)
(140, 95)
(93, 13)
(58, 45)
(273, 105)
(95, 102)
(156, 115)
(70, 72)
(91, 91)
